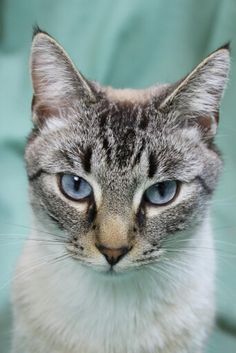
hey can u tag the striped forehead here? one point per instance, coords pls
(119, 134)
(110, 135)
(114, 137)
(123, 133)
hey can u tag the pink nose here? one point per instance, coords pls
(113, 256)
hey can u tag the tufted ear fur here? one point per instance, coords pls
(56, 82)
(197, 97)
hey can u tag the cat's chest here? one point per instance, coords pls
(119, 318)
(95, 317)
(77, 311)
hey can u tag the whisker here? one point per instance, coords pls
(193, 250)
(20, 239)
(163, 273)
(33, 228)
(215, 241)
(166, 274)
(37, 265)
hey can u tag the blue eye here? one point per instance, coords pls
(75, 187)
(161, 193)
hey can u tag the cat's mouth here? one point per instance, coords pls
(100, 266)
(77, 254)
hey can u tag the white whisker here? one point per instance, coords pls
(38, 264)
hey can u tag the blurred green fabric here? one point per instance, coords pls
(125, 43)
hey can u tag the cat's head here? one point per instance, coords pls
(119, 172)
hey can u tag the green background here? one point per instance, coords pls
(124, 43)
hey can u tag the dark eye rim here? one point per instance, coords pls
(86, 199)
(149, 203)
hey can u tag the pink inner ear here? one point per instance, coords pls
(206, 122)
(42, 112)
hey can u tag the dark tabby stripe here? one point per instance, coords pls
(152, 165)
(55, 220)
(143, 122)
(86, 159)
(67, 158)
(139, 154)
(36, 175)
(91, 214)
(107, 148)
(208, 190)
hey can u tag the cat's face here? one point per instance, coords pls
(120, 172)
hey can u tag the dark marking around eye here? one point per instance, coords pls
(208, 190)
(141, 217)
(152, 165)
(55, 220)
(86, 159)
(91, 212)
(36, 175)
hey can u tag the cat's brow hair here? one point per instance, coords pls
(152, 165)
(124, 131)
(86, 158)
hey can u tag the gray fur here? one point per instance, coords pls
(121, 149)
(125, 143)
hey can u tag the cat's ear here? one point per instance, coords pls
(56, 82)
(196, 99)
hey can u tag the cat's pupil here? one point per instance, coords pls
(161, 193)
(161, 189)
(76, 183)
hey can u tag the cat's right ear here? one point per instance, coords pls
(56, 81)
(196, 99)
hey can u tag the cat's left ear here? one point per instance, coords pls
(56, 81)
(196, 99)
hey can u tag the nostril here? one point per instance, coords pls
(113, 256)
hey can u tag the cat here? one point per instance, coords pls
(120, 182)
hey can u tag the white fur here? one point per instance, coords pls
(133, 95)
(54, 124)
(69, 308)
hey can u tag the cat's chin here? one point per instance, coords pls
(109, 272)
(112, 273)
